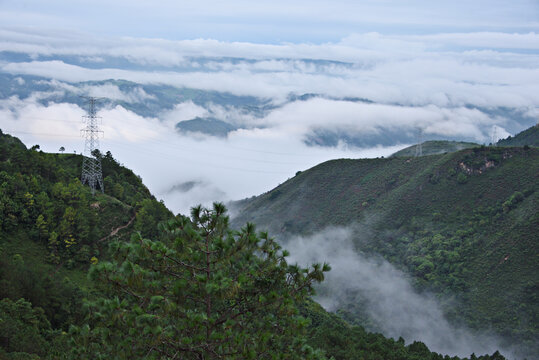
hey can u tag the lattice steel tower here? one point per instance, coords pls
(91, 165)
(419, 146)
(493, 135)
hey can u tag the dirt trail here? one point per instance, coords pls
(115, 231)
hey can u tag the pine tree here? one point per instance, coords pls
(203, 292)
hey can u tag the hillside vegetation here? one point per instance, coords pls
(463, 224)
(529, 137)
(435, 147)
(52, 231)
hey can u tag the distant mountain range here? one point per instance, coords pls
(155, 100)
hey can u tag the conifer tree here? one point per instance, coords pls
(201, 292)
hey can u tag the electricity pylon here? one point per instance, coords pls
(419, 146)
(91, 164)
(494, 136)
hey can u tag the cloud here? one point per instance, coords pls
(46, 122)
(113, 92)
(307, 21)
(247, 163)
(186, 110)
(485, 69)
(453, 69)
(386, 294)
(450, 84)
(190, 193)
(442, 82)
(488, 40)
(251, 160)
(366, 118)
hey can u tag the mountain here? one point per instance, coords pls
(463, 225)
(528, 137)
(52, 229)
(435, 147)
(164, 102)
(208, 126)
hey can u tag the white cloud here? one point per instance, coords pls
(186, 110)
(310, 21)
(113, 92)
(248, 163)
(426, 81)
(300, 117)
(386, 293)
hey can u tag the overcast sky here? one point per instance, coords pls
(276, 21)
(423, 63)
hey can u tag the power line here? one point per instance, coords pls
(142, 149)
(146, 147)
(40, 134)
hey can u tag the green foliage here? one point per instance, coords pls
(204, 292)
(23, 329)
(435, 147)
(528, 137)
(343, 341)
(513, 200)
(42, 194)
(121, 182)
(462, 178)
(149, 213)
(474, 241)
(25, 333)
(51, 226)
(44, 208)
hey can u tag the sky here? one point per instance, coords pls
(277, 21)
(435, 65)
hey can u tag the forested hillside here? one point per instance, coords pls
(529, 137)
(435, 147)
(144, 293)
(463, 224)
(51, 231)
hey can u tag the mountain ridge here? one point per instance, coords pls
(41, 195)
(442, 218)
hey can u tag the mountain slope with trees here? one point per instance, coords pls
(529, 137)
(51, 231)
(150, 293)
(462, 224)
(433, 147)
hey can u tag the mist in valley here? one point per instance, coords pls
(391, 303)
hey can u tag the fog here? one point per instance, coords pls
(247, 163)
(449, 82)
(391, 302)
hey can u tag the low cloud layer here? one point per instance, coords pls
(390, 301)
(485, 69)
(453, 85)
(247, 163)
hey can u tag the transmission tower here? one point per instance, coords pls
(419, 146)
(494, 136)
(91, 165)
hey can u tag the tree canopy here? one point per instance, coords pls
(202, 291)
